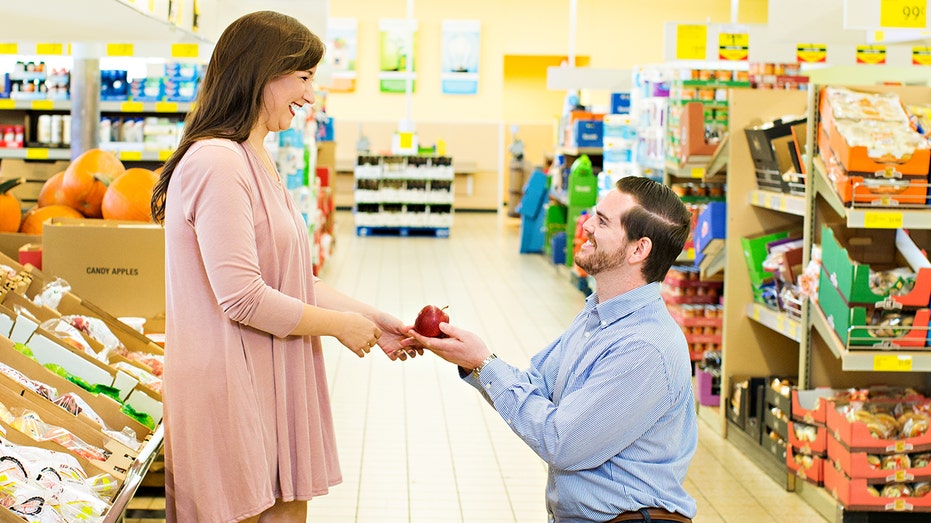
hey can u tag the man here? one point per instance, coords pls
(609, 405)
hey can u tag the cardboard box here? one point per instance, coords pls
(855, 464)
(34, 173)
(712, 225)
(10, 243)
(854, 494)
(117, 265)
(809, 468)
(810, 406)
(817, 446)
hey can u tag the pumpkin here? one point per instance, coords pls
(51, 192)
(129, 196)
(86, 179)
(11, 211)
(35, 217)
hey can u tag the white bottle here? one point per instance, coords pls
(104, 131)
(56, 129)
(44, 131)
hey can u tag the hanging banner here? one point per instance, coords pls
(341, 51)
(461, 48)
(397, 48)
(921, 55)
(691, 42)
(811, 53)
(734, 46)
(871, 54)
(911, 14)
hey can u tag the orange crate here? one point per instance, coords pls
(853, 494)
(855, 464)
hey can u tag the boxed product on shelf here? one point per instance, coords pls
(779, 393)
(886, 187)
(712, 226)
(587, 133)
(774, 443)
(901, 147)
(693, 138)
(856, 269)
(771, 145)
(117, 265)
(744, 404)
(871, 325)
(810, 406)
(872, 426)
(859, 494)
(776, 420)
(708, 387)
(878, 467)
(808, 439)
(806, 466)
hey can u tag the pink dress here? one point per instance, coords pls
(247, 412)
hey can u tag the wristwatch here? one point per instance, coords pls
(481, 366)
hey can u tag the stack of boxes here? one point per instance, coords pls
(777, 405)
(695, 305)
(777, 149)
(807, 435)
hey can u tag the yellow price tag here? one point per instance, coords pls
(733, 46)
(691, 42)
(131, 156)
(882, 220)
(780, 323)
(911, 14)
(756, 313)
(9, 48)
(164, 154)
(871, 54)
(35, 153)
(698, 172)
(690, 253)
(43, 49)
(43, 105)
(132, 107)
(901, 476)
(892, 363)
(755, 198)
(185, 50)
(921, 55)
(6, 103)
(120, 49)
(166, 107)
(406, 140)
(812, 53)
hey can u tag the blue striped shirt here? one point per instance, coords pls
(609, 407)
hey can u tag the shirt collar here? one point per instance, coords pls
(623, 304)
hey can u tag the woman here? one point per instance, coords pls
(248, 428)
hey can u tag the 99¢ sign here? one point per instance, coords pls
(903, 13)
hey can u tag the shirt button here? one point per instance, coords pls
(488, 385)
(587, 334)
(604, 324)
(509, 422)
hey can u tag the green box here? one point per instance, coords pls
(850, 276)
(572, 215)
(553, 222)
(754, 248)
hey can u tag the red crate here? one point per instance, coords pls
(811, 469)
(819, 446)
(853, 494)
(855, 464)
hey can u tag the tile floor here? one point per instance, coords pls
(417, 445)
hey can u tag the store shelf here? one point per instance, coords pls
(867, 360)
(776, 320)
(873, 218)
(7, 104)
(84, 21)
(578, 151)
(145, 107)
(782, 202)
(35, 153)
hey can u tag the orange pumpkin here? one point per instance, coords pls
(11, 211)
(51, 192)
(128, 197)
(35, 217)
(86, 180)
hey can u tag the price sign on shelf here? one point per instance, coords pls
(882, 220)
(691, 42)
(892, 363)
(811, 53)
(9, 48)
(921, 55)
(120, 50)
(185, 50)
(911, 14)
(871, 54)
(50, 49)
(734, 46)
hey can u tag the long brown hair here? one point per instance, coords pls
(253, 50)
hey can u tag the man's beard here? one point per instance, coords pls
(599, 261)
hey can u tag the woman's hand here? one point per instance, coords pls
(358, 333)
(393, 333)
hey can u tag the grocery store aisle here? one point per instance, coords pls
(417, 445)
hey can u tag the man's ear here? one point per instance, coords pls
(641, 251)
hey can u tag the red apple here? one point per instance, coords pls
(428, 321)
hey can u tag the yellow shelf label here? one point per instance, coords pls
(734, 46)
(882, 220)
(756, 313)
(131, 156)
(43, 105)
(691, 42)
(780, 323)
(9, 48)
(698, 172)
(755, 198)
(185, 50)
(132, 107)
(912, 14)
(164, 154)
(49, 48)
(166, 107)
(892, 363)
(811, 53)
(120, 50)
(6, 103)
(35, 153)
(871, 54)
(921, 55)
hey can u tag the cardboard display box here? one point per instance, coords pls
(118, 265)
